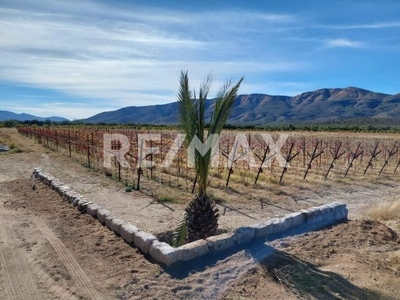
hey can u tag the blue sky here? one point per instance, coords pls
(78, 58)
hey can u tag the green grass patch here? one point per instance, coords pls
(166, 199)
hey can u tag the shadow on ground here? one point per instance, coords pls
(304, 279)
(257, 250)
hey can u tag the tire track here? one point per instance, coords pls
(54, 289)
(17, 280)
(73, 267)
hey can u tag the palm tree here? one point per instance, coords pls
(201, 217)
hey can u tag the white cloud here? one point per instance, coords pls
(127, 56)
(376, 25)
(285, 88)
(343, 43)
(66, 110)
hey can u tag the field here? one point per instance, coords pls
(321, 264)
(321, 168)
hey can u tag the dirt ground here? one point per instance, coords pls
(48, 250)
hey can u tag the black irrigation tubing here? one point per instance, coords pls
(262, 202)
(235, 210)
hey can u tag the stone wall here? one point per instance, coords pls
(310, 219)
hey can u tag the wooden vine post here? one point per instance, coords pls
(303, 147)
(139, 170)
(335, 156)
(88, 150)
(56, 138)
(69, 144)
(263, 159)
(397, 166)
(374, 154)
(390, 154)
(47, 137)
(313, 156)
(354, 156)
(289, 157)
(231, 162)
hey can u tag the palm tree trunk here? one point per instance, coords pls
(202, 218)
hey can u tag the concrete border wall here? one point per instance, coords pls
(315, 217)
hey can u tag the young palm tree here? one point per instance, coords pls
(201, 214)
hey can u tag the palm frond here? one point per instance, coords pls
(203, 93)
(187, 108)
(180, 233)
(223, 106)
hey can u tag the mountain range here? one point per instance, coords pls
(8, 115)
(323, 105)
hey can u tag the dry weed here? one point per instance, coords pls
(386, 210)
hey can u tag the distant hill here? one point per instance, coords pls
(323, 105)
(8, 115)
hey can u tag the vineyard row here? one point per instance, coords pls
(255, 157)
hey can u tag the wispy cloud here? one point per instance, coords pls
(128, 57)
(67, 110)
(375, 25)
(121, 53)
(343, 43)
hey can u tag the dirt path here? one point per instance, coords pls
(22, 276)
(16, 276)
(77, 274)
(119, 271)
(17, 280)
(84, 252)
